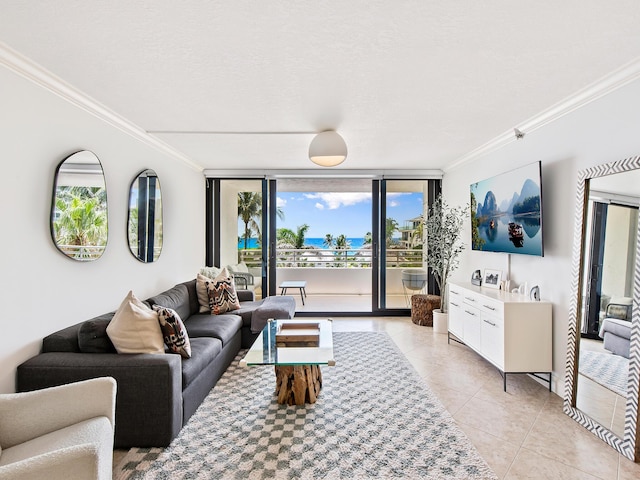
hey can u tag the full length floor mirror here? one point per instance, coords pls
(603, 354)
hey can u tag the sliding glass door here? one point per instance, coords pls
(349, 240)
(402, 270)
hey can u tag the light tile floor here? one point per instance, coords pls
(523, 433)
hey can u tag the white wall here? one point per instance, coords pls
(603, 131)
(43, 291)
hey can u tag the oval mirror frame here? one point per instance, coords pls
(628, 444)
(144, 220)
(79, 216)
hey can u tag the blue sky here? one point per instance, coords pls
(342, 212)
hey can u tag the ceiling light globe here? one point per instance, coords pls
(328, 149)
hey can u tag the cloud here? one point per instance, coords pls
(335, 200)
(281, 202)
(319, 206)
(393, 204)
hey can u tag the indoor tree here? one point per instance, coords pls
(442, 228)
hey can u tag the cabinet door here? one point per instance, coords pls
(493, 339)
(456, 318)
(472, 327)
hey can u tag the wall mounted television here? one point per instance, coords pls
(506, 212)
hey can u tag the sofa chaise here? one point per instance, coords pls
(157, 393)
(615, 327)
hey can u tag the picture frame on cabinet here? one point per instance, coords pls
(492, 278)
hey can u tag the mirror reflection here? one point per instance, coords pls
(608, 272)
(145, 217)
(79, 207)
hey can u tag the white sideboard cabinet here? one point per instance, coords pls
(509, 330)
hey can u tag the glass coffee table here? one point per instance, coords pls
(297, 349)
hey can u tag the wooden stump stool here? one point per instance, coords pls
(422, 309)
(298, 384)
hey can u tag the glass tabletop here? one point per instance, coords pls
(265, 351)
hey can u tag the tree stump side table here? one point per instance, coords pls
(422, 307)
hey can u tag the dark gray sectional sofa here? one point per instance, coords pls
(156, 393)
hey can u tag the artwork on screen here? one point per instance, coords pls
(506, 212)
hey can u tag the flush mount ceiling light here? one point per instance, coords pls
(328, 149)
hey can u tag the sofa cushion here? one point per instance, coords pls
(222, 294)
(176, 298)
(223, 327)
(203, 352)
(174, 332)
(246, 310)
(135, 328)
(194, 305)
(92, 335)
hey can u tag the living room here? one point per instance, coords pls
(590, 119)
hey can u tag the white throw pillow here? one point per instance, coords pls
(201, 291)
(238, 268)
(134, 328)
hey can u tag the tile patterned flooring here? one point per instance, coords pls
(523, 433)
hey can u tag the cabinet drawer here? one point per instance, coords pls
(492, 330)
(490, 306)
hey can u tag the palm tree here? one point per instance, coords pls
(368, 239)
(82, 221)
(343, 244)
(250, 212)
(328, 240)
(391, 227)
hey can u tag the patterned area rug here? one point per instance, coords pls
(374, 418)
(610, 371)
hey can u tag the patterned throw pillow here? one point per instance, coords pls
(173, 331)
(222, 294)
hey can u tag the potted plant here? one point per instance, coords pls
(442, 228)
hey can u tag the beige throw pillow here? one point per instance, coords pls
(135, 328)
(201, 291)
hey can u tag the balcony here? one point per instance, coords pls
(339, 279)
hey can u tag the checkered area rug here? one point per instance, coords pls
(374, 418)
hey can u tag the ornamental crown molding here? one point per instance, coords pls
(27, 68)
(620, 77)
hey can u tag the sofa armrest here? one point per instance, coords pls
(245, 295)
(77, 462)
(149, 396)
(24, 418)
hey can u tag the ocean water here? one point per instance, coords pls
(356, 243)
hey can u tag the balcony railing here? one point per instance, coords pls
(334, 258)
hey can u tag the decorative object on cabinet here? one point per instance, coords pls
(534, 293)
(144, 225)
(508, 330)
(606, 208)
(79, 207)
(492, 278)
(443, 228)
(476, 278)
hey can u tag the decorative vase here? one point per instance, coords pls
(440, 321)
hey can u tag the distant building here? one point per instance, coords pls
(411, 232)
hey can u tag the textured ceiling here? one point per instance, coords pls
(412, 84)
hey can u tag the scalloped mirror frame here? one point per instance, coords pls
(79, 213)
(145, 199)
(629, 444)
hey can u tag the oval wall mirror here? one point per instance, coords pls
(79, 207)
(144, 228)
(603, 353)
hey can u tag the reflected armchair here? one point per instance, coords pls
(64, 432)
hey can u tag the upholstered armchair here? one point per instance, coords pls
(64, 432)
